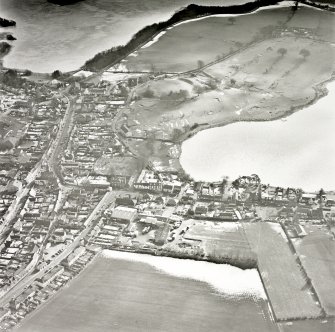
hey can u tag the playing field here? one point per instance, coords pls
(285, 285)
(317, 254)
(124, 295)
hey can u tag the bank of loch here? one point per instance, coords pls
(285, 152)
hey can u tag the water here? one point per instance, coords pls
(297, 152)
(53, 37)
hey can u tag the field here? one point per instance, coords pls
(181, 48)
(122, 295)
(287, 290)
(220, 239)
(317, 254)
(272, 70)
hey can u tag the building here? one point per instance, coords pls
(124, 214)
(50, 276)
(148, 181)
(27, 294)
(72, 258)
(161, 234)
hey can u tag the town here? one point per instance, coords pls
(78, 177)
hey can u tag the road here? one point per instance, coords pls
(56, 150)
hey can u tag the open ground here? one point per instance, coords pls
(133, 296)
(287, 289)
(317, 254)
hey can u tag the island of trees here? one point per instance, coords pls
(6, 23)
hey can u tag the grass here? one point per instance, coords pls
(281, 275)
(317, 254)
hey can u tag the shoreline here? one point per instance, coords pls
(320, 89)
(320, 92)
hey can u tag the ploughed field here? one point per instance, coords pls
(287, 288)
(256, 67)
(123, 295)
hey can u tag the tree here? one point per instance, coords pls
(296, 5)
(305, 53)
(321, 195)
(176, 133)
(200, 64)
(27, 72)
(5, 145)
(148, 93)
(282, 51)
(56, 74)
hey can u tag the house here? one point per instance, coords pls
(308, 199)
(119, 181)
(27, 294)
(72, 258)
(149, 181)
(50, 276)
(59, 235)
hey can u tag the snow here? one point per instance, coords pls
(155, 39)
(83, 73)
